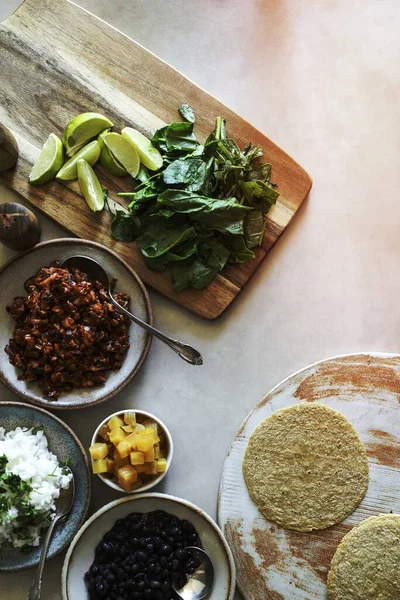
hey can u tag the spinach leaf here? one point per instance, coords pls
(190, 173)
(224, 215)
(254, 225)
(239, 251)
(183, 252)
(195, 275)
(213, 253)
(187, 112)
(180, 136)
(176, 137)
(125, 227)
(259, 194)
(161, 236)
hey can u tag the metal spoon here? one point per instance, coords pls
(200, 583)
(63, 507)
(96, 272)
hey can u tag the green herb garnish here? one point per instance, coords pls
(203, 209)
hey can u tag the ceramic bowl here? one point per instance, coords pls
(81, 552)
(66, 446)
(169, 450)
(12, 278)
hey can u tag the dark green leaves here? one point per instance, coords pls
(177, 137)
(205, 208)
(187, 112)
(161, 236)
(124, 227)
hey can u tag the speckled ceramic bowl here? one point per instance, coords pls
(12, 278)
(81, 552)
(169, 450)
(65, 445)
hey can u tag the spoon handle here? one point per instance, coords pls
(188, 353)
(36, 588)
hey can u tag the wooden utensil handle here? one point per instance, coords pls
(8, 149)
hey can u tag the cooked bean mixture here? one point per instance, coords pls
(141, 557)
(67, 333)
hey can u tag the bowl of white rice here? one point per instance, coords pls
(35, 448)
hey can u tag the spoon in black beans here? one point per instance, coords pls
(201, 578)
(95, 272)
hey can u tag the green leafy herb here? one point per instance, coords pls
(187, 112)
(205, 208)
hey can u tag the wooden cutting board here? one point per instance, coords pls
(58, 60)
(279, 564)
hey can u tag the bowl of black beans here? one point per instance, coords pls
(138, 548)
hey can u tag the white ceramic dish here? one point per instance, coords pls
(12, 278)
(169, 450)
(81, 552)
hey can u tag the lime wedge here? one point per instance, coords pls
(123, 152)
(83, 128)
(148, 154)
(50, 160)
(108, 161)
(90, 153)
(90, 186)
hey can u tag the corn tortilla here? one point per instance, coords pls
(305, 467)
(366, 565)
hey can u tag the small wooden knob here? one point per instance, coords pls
(19, 226)
(8, 149)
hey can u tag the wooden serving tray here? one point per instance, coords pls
(58, 60)
(279, 564)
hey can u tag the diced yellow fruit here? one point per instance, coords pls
(104, 432)
(124, 448)
(136, 484)
(138, 427)
(119, 461)
(130, 419)
(144, 443)
(141, 468)
(132, 439)
(110, 465)
(117, 435)
(137, 458)
(98, 450)
(116, 422)
(152, 433)
(152, 468)
(150, 423)
(149, 456)
(127, 474)
(125, 485)
(99, 466)
(128, 428)
(161, 465)
(156, 451)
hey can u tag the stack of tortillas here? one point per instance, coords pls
(306, 469)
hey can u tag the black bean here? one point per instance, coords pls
(142, 557)
(166, 549)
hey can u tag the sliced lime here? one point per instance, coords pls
(123, 152)
(108, 161)
(90, 186)
(148, 154)
(50, 160)
(90, 153)
(83, 128)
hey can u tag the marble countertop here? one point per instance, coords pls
(322, 80)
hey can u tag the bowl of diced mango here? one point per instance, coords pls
(131, 451)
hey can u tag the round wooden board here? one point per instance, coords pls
(277, 564)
